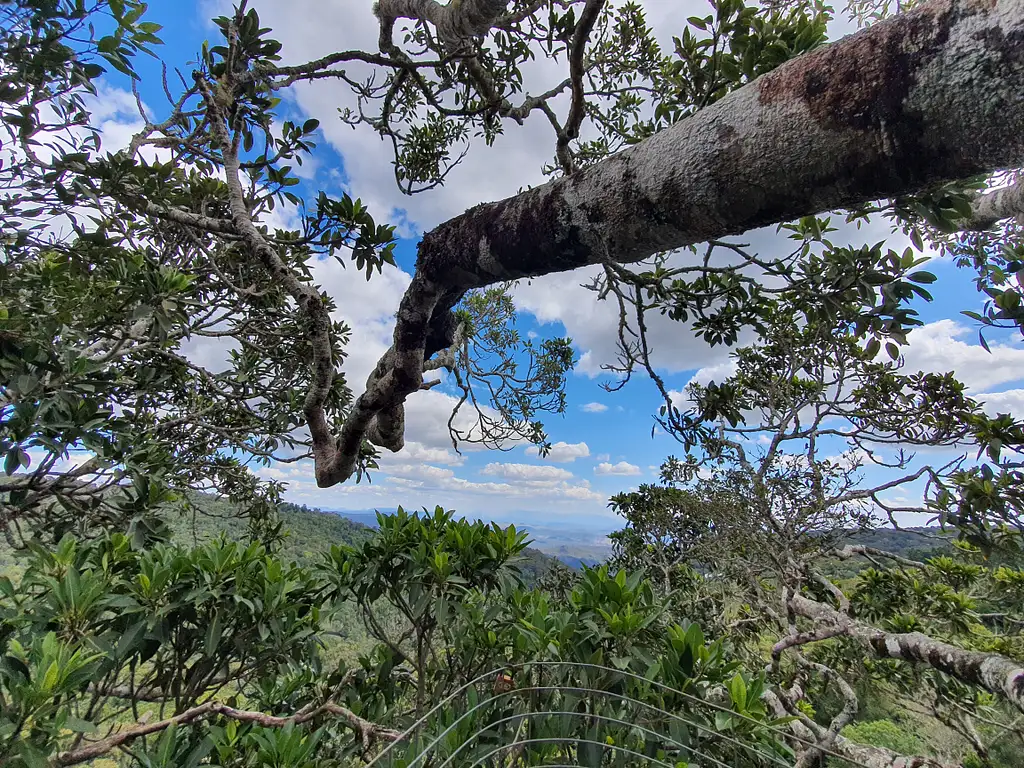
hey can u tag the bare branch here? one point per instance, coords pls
(808, 731)
(991, 671)
(367, 731)
(577, 70)
(991, 207)
(855, 550)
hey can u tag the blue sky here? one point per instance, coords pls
(604, 443)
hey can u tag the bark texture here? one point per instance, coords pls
(925, 97)
(992, 207)
(455, 21)
(995, 673)
(368, 732)
(858, 754)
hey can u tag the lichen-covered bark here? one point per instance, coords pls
(929, 96)
(453, 21)
(858, 754)
(990, 671)
(999, 204)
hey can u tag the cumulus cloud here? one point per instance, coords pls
(419, 485)
(623, 468)
(414, 451)
(562, 453)
(424, 472)
(564, 299)
(309, 29)
(939, 347)
(593, 407)
(526, 472)
(1011, 401)
(704, 376)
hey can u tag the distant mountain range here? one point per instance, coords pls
(566, 540)
(576, 545)
(314, 530)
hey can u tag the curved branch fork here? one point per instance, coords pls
(454, 21)
(929, 96)
(990, 671)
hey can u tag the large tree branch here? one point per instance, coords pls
(857, 754)
(1004, 203)
(855, 550)
(454, 21)
(994, 673)
(921, 98)
(367, 731)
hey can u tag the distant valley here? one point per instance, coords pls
(568, 541)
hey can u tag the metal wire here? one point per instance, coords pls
(584, 665)
(602, 692)
(527, 715)
(433, 710)
(562, 739)
(690, 697)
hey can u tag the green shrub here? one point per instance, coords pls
(885, 733)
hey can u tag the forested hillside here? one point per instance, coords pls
(308, 532)
(305, 532)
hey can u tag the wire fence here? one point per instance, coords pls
(591, 715)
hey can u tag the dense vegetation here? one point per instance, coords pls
(161, 606)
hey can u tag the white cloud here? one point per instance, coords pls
(309, 29)
(938, 348)
(1011, 401)
(603, 457)
(526, 472)
(593, 407)
(562, 453)
(414, 451)
(115, 114)
(424, 472)
(592, 324)
(623, 468)
(713, 373)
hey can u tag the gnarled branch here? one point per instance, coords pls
(881, 113)
(367, 731)
(991, 671)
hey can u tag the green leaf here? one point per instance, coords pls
(916, 239)
(738, 691)
(926, 278)
(50, 678)
(213, 635)
(79, 726)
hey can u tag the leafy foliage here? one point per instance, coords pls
(118, 637)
